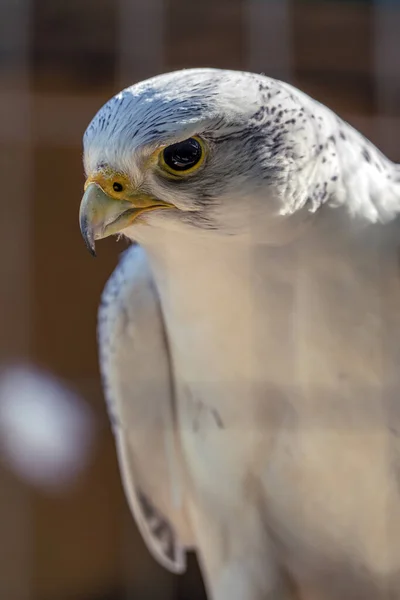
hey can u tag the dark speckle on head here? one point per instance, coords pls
(278, 156)
(366, 154)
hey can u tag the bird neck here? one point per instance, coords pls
(186, 266)
(228, 306)
(206, 292)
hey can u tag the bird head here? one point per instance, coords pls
(217, 152)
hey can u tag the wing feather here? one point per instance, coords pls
(135, 368)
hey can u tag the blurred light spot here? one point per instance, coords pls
(46, 430)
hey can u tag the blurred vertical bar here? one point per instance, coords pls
(16, 158)
(209, 33)
(15, 266)
(386, 58)
(141, 40)
(140, 54)
(386, 64)
(269, 42)
(270, 45)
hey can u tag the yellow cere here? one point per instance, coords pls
(114, 184)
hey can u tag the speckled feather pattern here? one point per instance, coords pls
(194, 314)
(268, 142)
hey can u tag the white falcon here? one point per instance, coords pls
(250, 342)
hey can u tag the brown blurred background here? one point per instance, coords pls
(60, 60)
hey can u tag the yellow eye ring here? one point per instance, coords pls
(183, 158)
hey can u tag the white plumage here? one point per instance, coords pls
(141, 407)
(250, 346)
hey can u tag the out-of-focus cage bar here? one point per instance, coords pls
(386, 68)
(16, 160)
(60, 61)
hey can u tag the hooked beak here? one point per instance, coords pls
(101, 216)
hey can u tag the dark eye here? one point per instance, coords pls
(184, 155)
(117, 187)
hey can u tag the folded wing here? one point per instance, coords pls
(135, 367)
